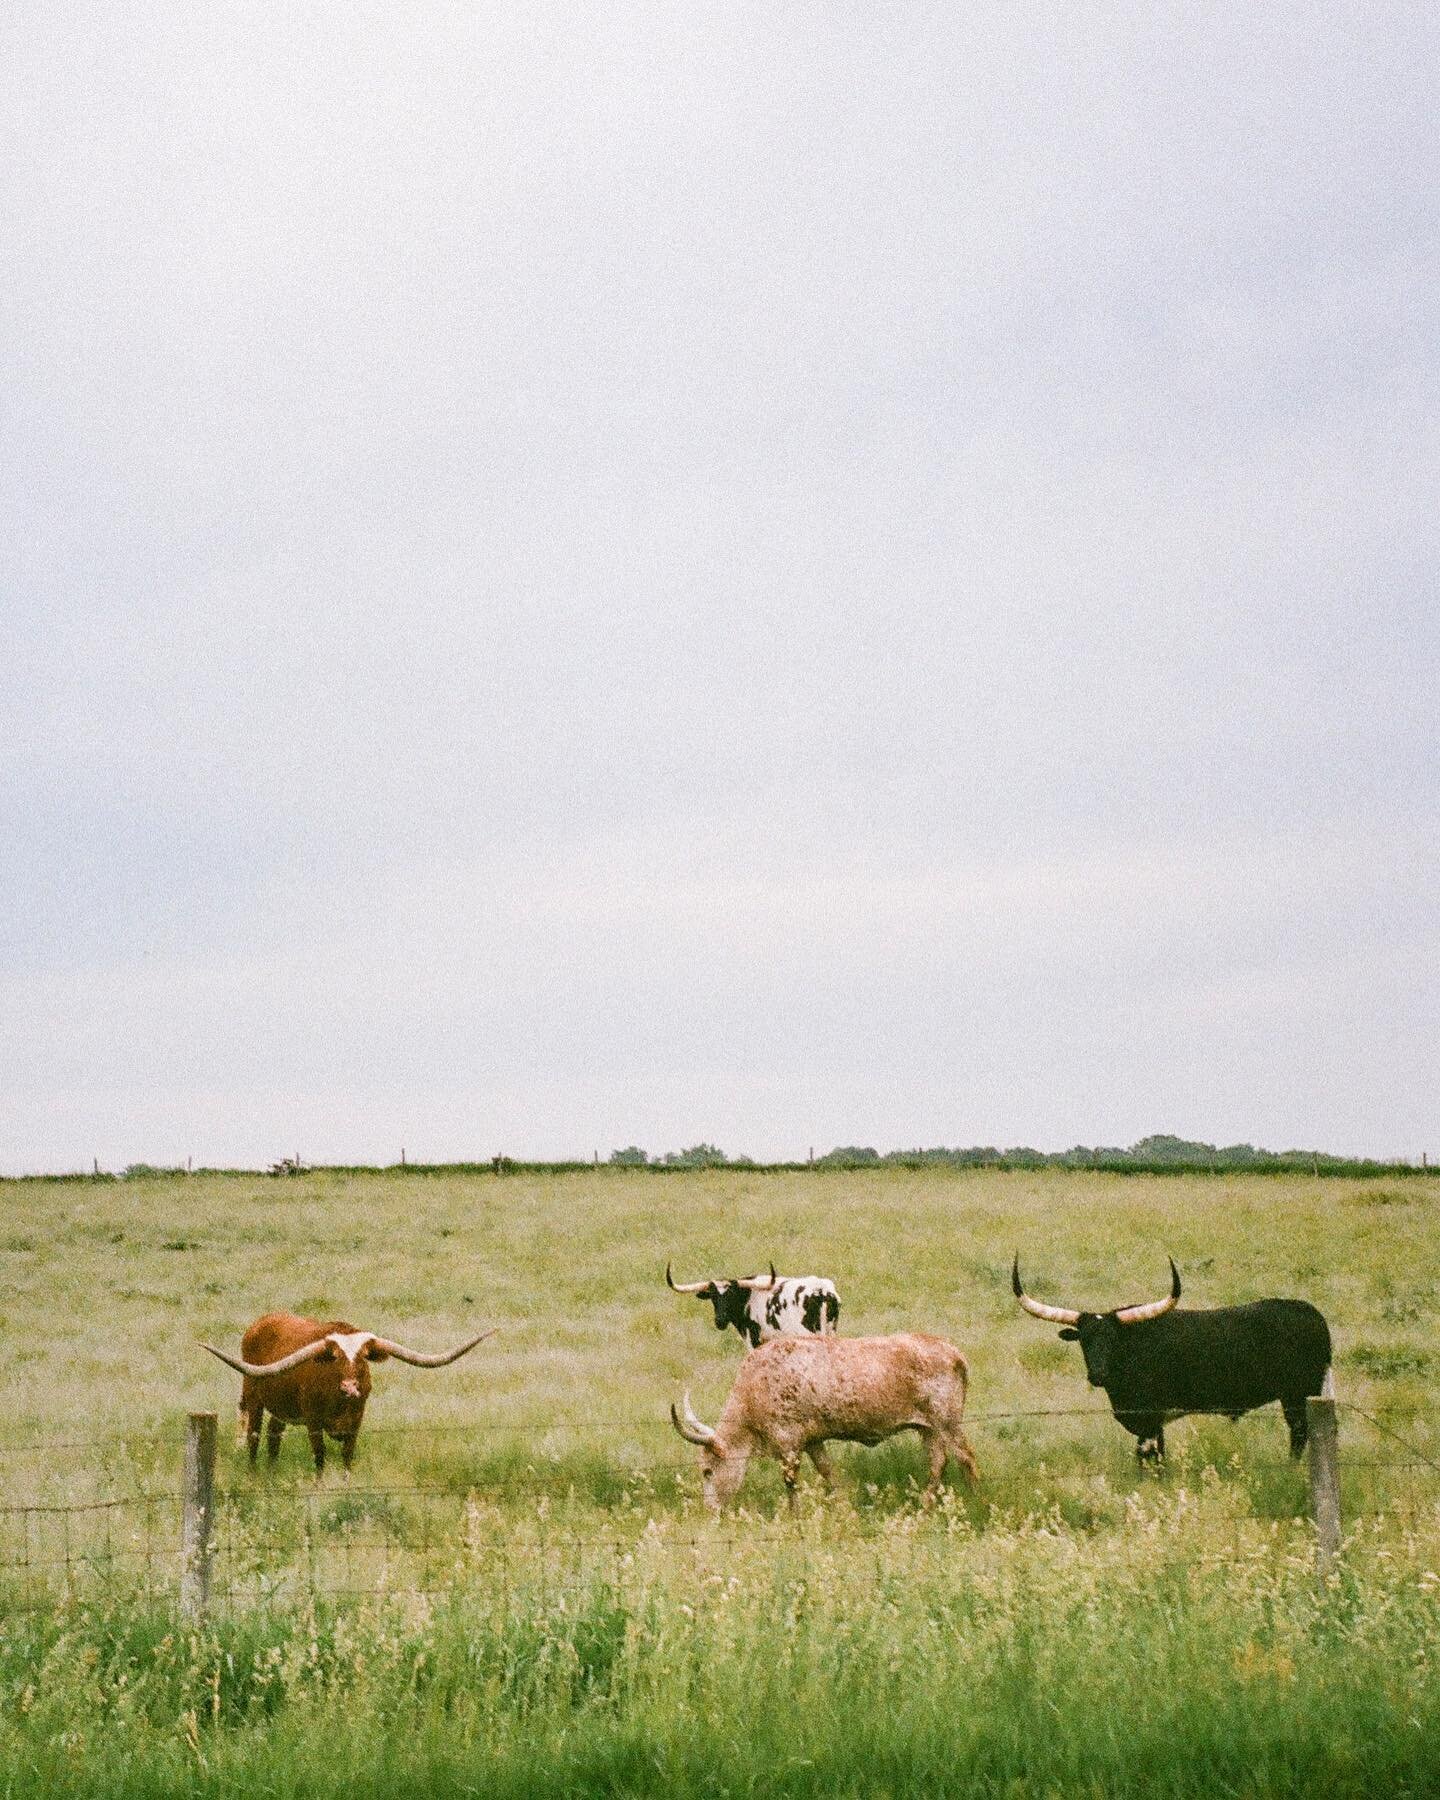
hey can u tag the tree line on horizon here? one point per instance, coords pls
(1160, 1150)
(1160, 1153)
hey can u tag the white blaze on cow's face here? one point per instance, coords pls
(350, 1346)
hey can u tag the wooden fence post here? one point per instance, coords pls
(1324, 1460)
(197, 1516)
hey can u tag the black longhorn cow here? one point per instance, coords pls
(1156, 1362)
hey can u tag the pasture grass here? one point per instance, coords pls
(518, 1593)
(1184, 1651)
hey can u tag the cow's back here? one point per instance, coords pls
(850, 1387)
(1231, 1356)
(799, 1303)
(280, 1334)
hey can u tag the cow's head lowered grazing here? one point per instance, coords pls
(305, 1372)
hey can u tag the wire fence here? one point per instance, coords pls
(269, 1540)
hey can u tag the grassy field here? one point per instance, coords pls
(535, 1602)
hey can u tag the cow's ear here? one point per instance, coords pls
(373, 1353)
(1070, 1334)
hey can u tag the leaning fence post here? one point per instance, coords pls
(197, 1516)
(1324, 1460)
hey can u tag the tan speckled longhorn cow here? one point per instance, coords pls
(793, 1395)
(303, 1372)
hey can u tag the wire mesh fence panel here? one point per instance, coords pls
(52, 1555)
(360, 1539)
(549, 1518)
(1389, 1462)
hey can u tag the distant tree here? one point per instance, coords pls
(847, 1156)
(974, 1156)
(1162, 1147)
(698, 1156)
(632, 1157)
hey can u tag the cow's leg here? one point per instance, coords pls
(274, 1431)
(347, 1448)
(1296, 1419)
(250, 1417)
(959, 1447)
(823, 1465)
(1149, 1432)
(1150, 1441)
(790, 1473)
(317, 1448)
(935, 1443)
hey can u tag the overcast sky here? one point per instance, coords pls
(782, 574)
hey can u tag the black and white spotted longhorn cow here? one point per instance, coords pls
(761, 1307)
(1157, 1362)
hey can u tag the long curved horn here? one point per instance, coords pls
(438, 1361)
(1057, 1315)
(693, 1430)
(293, 1360)
(1152, 1309)
(759, 1284)
(682, 1287)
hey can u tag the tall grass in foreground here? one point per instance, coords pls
(1189, 1654)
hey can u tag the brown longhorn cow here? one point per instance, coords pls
(305, 1372)
(794, 1394)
